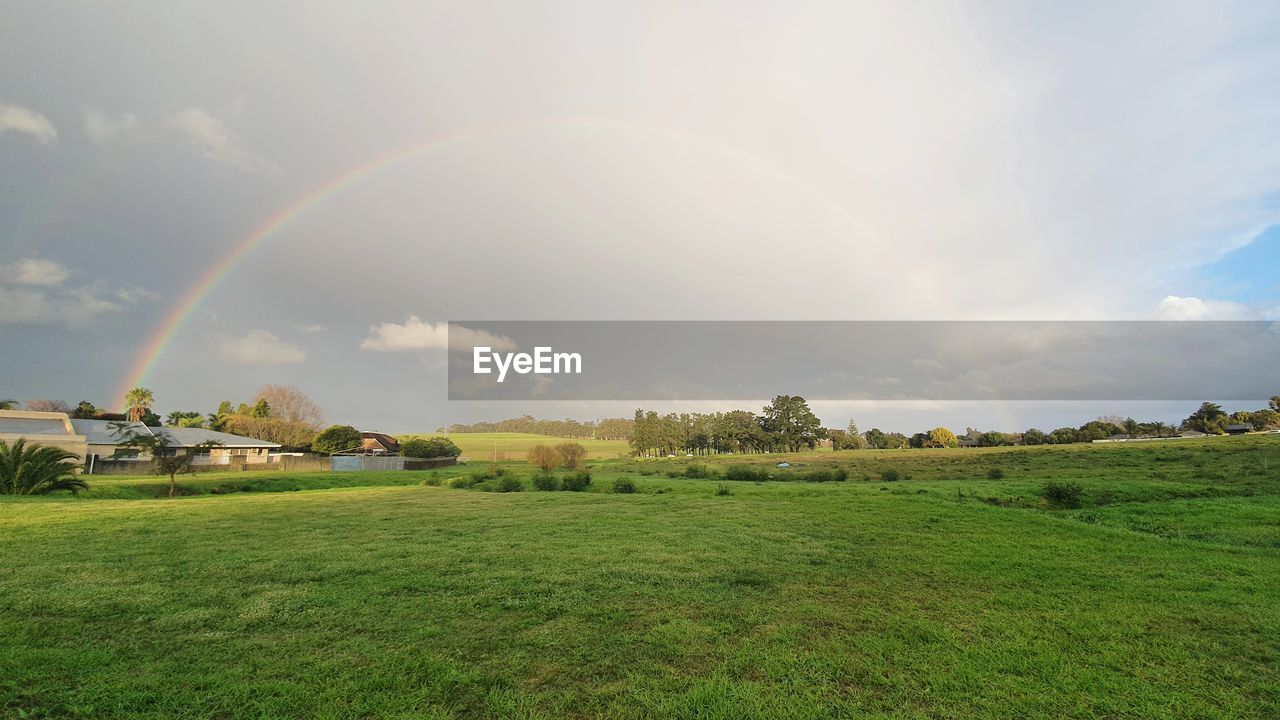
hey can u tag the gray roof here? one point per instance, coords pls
(100, 432)
(32, 426)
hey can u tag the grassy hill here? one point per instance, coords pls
(513, 446)
(951, 592)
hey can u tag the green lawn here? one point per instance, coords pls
(945, 594)
(513, 446)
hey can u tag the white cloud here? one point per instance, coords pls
(28, 121)
(218, 142)
(413, 334)
(1174, 307)
(101, 127)
(313, 329)
(34, 271)
(260, 347)
(32, 293)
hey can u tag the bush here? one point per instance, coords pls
(995, 474)
(336, 438)
(429, 448)
(623, 485)
(544, 457)
(463, 482)
(747, 473)
(697, 471)
(571, 455)
(433, 480)
(835, 475)
(508, 483)
(890, 476)
(576, 482)
(723, 489)
(1062, 494)
(545, 481)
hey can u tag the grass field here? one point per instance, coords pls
(513, 446)
(945, 594)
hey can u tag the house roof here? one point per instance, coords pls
(32, 426)
(383, 439)
(1241, 428)
(101, 432)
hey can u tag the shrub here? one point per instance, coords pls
(890, 475)
(545, 481)
(747, 473)
(698, 471)
(995, 474)
(335, 439)
(433, 480)
(834, 475)
(508, 483)
(576, 482)
(571, 455)
(543, 456)
(723, 489)
(463, 482)
(1062, 494)
(37, 469)
(673, 473)
(429, 448)
(623, 485)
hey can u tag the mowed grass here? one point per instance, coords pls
(513, 446)
(946, 594)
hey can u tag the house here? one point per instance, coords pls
(98, 440)
(376, 443)
(1238, 429)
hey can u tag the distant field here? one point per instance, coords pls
(954, 591)
(513, 446)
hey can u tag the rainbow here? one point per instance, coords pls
(154, 349)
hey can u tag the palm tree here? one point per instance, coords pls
(37, 469)
(138, 401)
(1160, 427)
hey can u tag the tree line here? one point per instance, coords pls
(606, 429)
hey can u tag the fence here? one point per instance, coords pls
(296, 463)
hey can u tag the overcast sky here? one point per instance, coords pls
(592, 160)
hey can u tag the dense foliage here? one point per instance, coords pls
(37, 469)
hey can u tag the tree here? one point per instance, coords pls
(8, 404)
(1275, 403)
(1130, 427)
(167, 457)
(336, 439)
(182, 418)
(571, 455)
(138, 401)
(261, 409)
(875, 438)
(940, 437)
(1160, 429)
(429, 448)
(48, 406)
(1209, 419)
(84, 410)
(543, 456)
(1034, 437)
(37, 469)
(791, 421)
(291, 436)
(991, 439)
(289, 403)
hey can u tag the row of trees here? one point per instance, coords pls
(607, 429)
(785, 424)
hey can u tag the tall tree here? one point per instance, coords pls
(289, 403)
(789, 418)
(138, 401)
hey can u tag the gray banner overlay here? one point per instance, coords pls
(864, 360)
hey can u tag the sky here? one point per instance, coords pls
(374, 169)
